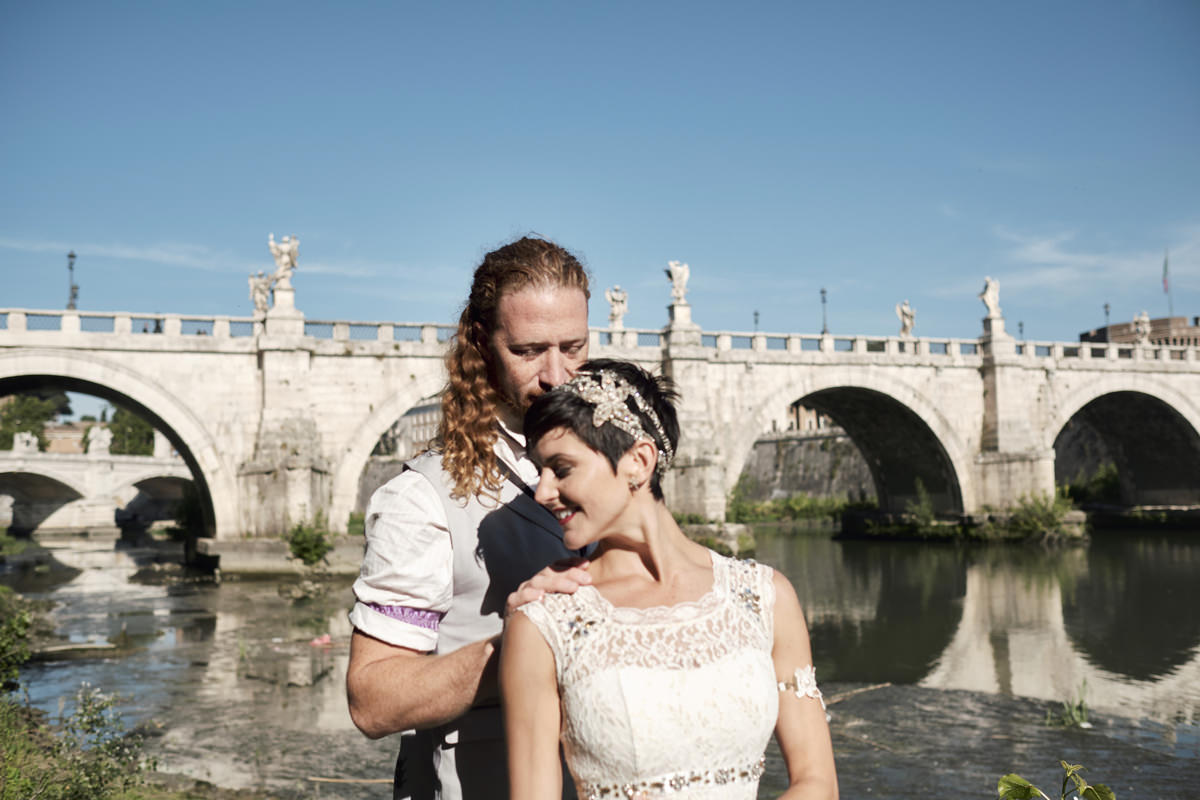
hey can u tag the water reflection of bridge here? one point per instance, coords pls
(1027, 634)
(1031, 623)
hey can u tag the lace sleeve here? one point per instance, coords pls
(803, 684)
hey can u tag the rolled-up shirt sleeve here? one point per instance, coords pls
(406, 582)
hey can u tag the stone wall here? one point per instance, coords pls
(820, 464)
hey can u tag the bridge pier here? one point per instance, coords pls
(696, 483)
(1011, 462)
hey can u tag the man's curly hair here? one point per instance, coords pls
(467, 432)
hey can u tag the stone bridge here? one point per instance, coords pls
(275, 416)
(74, 492)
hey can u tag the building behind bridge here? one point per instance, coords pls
(1164, 330)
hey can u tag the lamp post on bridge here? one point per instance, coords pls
(756, 322)
(1106, 310)
(824, 316)
(74, 287)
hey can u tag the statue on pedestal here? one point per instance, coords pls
(25, 442)
(1141, 327)
(260, 292)
(908, 316)
(285, 253)
(99, 440)
(678, 272)
(991, 298)
(618, 301)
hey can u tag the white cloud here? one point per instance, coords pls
(1056, 262)
(171, 253)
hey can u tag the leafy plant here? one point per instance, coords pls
(15, 620)
(310, 542)
(1102, 486)
(1014, 787)
(921, 510)
(86, 756)
(1074, 712)
(1039, 515)
(357, 524)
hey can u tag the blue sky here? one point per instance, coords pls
(881, 150)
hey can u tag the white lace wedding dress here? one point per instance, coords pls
(672, 701)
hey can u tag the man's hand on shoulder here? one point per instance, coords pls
(561, 577)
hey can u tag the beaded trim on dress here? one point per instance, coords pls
(677, 782)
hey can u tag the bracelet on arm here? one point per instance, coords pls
(803, 683)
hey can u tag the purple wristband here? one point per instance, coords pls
(421, 617)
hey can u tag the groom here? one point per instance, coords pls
(445, 559)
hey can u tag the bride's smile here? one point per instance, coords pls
(580, 488)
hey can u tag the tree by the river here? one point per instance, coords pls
(25, 413)
(131, 435)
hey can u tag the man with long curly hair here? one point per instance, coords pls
(456, 537)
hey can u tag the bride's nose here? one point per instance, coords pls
(546, 491)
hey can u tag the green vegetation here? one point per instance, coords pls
(85, 755)
(25, 413)
(310, 542)
(1014, 787)
(1102, 486)
(357, 524)
(921, 510)
(1073, 714)
(794, 507)
(132, 435)
(1033, 517)
(12, 545)
(15, 621)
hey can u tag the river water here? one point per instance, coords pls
(940, 662)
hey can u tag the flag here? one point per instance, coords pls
(1165, 290)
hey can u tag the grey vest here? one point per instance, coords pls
(496, 547)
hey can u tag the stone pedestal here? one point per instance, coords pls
(681, 331)
(284, 319)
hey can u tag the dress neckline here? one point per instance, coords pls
(686, 609)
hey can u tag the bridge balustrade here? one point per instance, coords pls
(229, 327)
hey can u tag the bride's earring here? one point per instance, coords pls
(634, 485)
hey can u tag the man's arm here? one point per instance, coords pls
(392, 689)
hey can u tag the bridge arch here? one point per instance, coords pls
(85, 371)
(877, 412)
(36, 494)
(1149, 430)
(354, 454)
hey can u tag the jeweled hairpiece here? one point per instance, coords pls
(610, 393)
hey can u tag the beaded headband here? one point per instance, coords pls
(609, 393)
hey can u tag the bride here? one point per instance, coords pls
(667, 674)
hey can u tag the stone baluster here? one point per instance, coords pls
(758, 343)
(341, 331)
(429, 334)
(172, 325)
(724, 342)
(220, 328)
(123, 323)
(69, 322)
(386, 332)
(16, 320)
